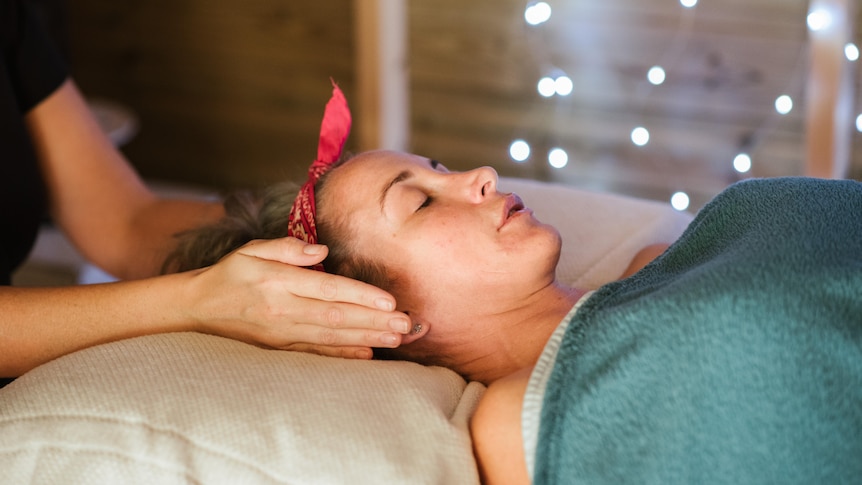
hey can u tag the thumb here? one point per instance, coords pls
(287, 250)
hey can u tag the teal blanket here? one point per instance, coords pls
(735, 357)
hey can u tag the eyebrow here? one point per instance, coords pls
(401, 177)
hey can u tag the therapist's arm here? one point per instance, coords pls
(259, 294)
(97, 198)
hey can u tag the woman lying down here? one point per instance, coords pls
(735, 356)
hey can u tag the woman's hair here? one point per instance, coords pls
(248, 216)
(264, 215)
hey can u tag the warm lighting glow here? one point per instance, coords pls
(784, 104)
(558, 158)
(852, 52)
(688, 3)
(640, 136)
(742, 163)
(547, 87)
(679, 201)
(537, 13)
(519, 150)
(656, 75)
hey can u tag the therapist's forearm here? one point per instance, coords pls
(41, 324)
(152, 234)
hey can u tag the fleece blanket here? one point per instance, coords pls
(735, 357)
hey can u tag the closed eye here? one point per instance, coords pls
(435, 165)
(425, 203)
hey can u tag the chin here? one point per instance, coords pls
(554, 245)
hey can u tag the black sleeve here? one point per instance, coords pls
(33, 66)
(30, 70)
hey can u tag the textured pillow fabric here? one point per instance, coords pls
(191, 408)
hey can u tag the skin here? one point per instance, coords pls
(259, 294)
(480, 280)
(506, 265)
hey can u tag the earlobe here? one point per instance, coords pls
(419, 330)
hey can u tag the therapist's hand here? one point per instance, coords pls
(261, 294)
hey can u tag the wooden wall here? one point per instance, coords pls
(475, 66)
(228, 93)
(231, 93)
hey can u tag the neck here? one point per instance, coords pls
(524, 329)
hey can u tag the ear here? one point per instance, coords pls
(420, 328)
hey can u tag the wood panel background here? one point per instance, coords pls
(727, 62)
(231, 93)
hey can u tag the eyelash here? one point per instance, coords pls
(428, 200)
(425, 203)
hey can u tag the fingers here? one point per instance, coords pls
(276, 302)
(287, 250)
(317, 285)
(335, 341)
(362, 353)
(337, 315)
(328, 287)
(340, 324)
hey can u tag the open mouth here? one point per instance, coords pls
(515, 208)
(514, 204)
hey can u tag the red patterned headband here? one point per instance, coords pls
(333, 133)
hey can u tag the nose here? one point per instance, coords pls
(481, 183)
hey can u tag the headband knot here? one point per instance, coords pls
(333, 134)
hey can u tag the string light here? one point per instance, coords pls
(519, 150)
(558, 158)
(563, 85)
(640, 136)
(851, 52)
(680, 201)
(784, 104)
(742, 163)
(537, 13)
(819, 19)
(656, 75)
(547, 87)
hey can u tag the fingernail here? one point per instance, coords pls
(400, 325)
(313, 249)
(385, 304)
(390, 339)
(363, 354)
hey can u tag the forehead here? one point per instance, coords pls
(369, 172)
(375, 162)
(358, 183)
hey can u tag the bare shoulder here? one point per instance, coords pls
(496, 431)
(643, 257)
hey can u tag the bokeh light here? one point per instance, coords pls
(558, 158)
(519, 150)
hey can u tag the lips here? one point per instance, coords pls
(513, 204)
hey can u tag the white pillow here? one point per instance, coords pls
(192, 408)
(182, 408)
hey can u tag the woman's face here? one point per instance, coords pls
(457, 246)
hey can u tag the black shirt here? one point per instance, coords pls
(31, 68)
